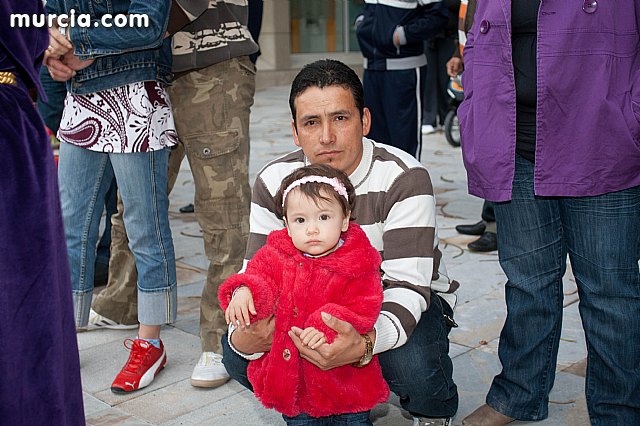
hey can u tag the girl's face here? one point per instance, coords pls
(315, 228)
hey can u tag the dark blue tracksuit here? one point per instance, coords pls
(393, 74)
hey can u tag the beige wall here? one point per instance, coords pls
(276, 65)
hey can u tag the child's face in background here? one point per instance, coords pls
(315, 228)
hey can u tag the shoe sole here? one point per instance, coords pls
(102, 326)
(147, 377)
(209, 383)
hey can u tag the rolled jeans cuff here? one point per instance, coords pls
(158, 307)
(81, 307)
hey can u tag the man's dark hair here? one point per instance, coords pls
(324, 73)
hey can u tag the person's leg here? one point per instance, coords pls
(488, 214)
(306, 420)
(118, 302)
(84, 177)
(51, 111)
(215, 132)
(533, 257)
(352, 419)
(603, 238)
(489, 240)
(420, 372)
(430, 105)
(142, 181)
(373, 84)
(235, 365)
(445, 47)
(402, 96)
(103, 252)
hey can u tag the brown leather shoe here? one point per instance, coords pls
(486, 416)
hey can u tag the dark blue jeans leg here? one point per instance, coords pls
(603, 238)
(420, 372)
(533, 257)
(348, 419)
(236, 365)
(51, 111)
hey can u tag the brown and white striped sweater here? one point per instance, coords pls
(396, 208)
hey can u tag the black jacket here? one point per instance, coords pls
(419, 20)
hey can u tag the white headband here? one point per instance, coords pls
(334, 182)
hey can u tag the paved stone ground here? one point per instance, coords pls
(170, 399)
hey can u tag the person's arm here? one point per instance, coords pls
(358, 304)
(408, 257)
(97, 40)
(433, 20)
(262, 219)
(259, 279)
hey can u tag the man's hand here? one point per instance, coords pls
(58, 70)
(454, 66)
(74, 62)
(58, 44)
(256, 338)
(347, 348)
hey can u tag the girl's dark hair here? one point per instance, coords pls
(325, 73)
(312, 189)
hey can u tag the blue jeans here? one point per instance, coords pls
(420, 372)
(601, 234)
(348, 419)
(84, 178)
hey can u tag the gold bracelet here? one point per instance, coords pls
(368, 352)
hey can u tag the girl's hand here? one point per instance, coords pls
(240, 308)
(312, 338)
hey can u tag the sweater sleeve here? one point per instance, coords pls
(408, 264)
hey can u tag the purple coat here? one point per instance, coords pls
(39, 365)
(588, 114)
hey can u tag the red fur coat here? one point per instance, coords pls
(296, 288)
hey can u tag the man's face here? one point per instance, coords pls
(329, 127)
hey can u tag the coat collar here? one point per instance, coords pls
(354, 258)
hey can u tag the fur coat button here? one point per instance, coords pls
(286, 354)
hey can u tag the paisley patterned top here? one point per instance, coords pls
(136, 117)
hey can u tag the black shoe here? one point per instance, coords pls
(475, 229)
(488, 242)
(189, 208)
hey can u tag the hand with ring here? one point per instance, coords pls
(59, 45)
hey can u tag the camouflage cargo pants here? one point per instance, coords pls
(211, 108)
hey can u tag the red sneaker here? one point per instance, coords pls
(144, 363)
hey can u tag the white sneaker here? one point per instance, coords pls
(209, 372)
(97, 322)
(425, 421)
(427, 129)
